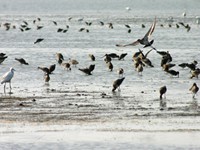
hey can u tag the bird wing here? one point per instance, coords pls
(131, 44)
(149, 33)
(148, 53)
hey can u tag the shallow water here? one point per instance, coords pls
(73, 100)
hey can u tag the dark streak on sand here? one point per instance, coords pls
(85, 106)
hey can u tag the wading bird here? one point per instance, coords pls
(162, 91)
(7, 78)
(117, 83)
(194, 89)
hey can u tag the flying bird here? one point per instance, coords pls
(7, 78)
(22, 61)
(145, 40)
(38, 40)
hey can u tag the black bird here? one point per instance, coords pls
(126, 25)
(91, 67)
(59, 56)
(145, 40)
(54, 22)
(44, 69)
(107, 58)
(52, 68)
(92, 57)
(117, 83)
(192, 65)
(2, 59)
(173, 72)
(59, 30)
(183, 65)
(194, 89)
(39, 27)
(112, 55)
(22, 61)
(81, 29)
(86, 71)
(101, 23)
(162, 91)
(38, 40)
(2, 54)
(122, 56)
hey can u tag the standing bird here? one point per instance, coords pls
(145, 40)
(46, 77)
(22, 61)
(66, 65)
(162, 91)
(92, 57)
(117, 83)
(110, 65)
(194, 89)
(120, 71)
(7, 78)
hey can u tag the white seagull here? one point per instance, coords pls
(7, 78)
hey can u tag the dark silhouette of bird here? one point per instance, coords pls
(2, 55)
(92, 57)
(126, 25)
(110, 65)
(162, 91)
(195, 73)
(59, 57)
(107, 58)
(66, 66)
(44, 69)
(81, 29)
(91, 67)
(122, 56)
(112, 55)
(52, 68)
(3, 58)
(194, 89)
(39, 27)
(55, 23)
(192, 65)
(117, 83)
(120, 72)
(22, 61)
(101, 23)
(145, 40)
(60, 30)
(173, 72)
(183, 65)
(38, 40)
(46, 77)
(85, 70)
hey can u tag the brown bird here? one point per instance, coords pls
(66, 65)
(22, 61)
(120, 71)
(73, 62)
(109, 65)
(145, 40)
(195, 73)
(44, 69)
(46, 78)
(194, 89)
(162, 91)
(117, 83)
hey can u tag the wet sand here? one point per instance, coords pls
(95, 120)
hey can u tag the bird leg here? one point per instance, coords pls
(5, 88)
(10, 86)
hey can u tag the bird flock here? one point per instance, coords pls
(140, 59)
